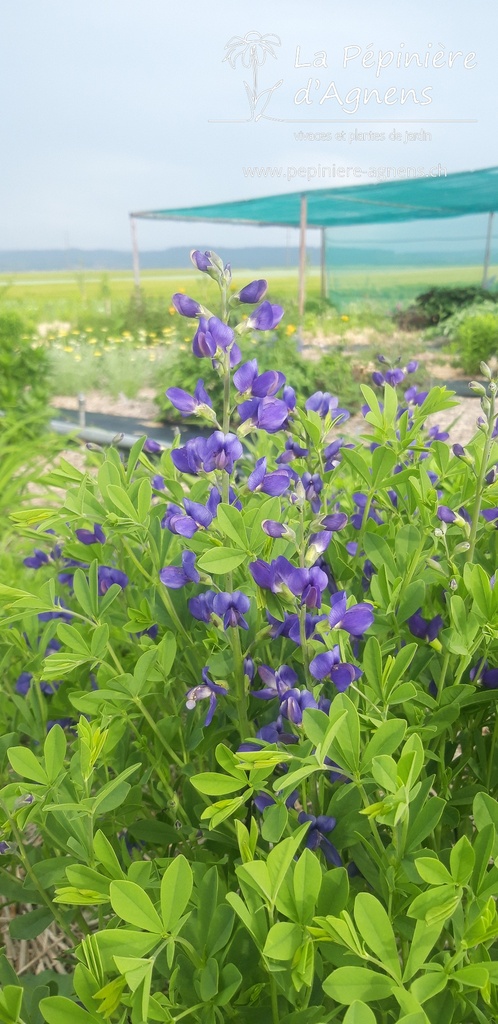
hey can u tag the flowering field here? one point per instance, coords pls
(249, 734)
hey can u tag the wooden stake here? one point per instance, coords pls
(487, 253)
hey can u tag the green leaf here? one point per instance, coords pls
(462, 859)
(214, 784)
(411, 600)
(347, 984)
(176, 889)
(424, 939)
(432, 871)
(308, 876)
(24, 762)
(376, 929)
(380, 553)
(383, 462)
(31, 923)
(474, 975)
(275, 819)
(230, 521)
(485, 812)
(220, 560)
(54, 751)
(106, 856)
(385, 740)
(59, 1010)
(283, 940)
(359, 1013)
(11, 1003)
(131, 903)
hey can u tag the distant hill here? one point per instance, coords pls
(18, 261)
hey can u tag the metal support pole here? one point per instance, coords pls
(136, 258)
(323, 264)
(487, 252)
(302, 257)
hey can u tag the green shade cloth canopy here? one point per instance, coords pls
(455, 195)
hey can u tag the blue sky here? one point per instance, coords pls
(113, 105)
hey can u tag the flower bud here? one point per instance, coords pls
(477, 388)
(485, 370)
(463, 546)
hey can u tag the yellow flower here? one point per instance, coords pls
(96, 354)
(77, 359)
(345, 318)
(290, 329)
(68, 348)
(92, 341)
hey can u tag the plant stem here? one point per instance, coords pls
(169, 750)
(480, 478)
(241, 697)
(45, 898)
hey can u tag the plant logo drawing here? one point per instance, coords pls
(252, 50)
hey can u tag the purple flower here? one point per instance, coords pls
(290, 627)
(265, 317)
(490, 514)
(247, 380)
(293, 450)
(326, 404)
(270, 483)
(253, 292)
(214, 500)
(201, 606)
(353, 620)
(316, 838)
(189, 458)
(199, 402)
(277, 682)
(484, 674)
(206, 690)
(264, 800)
(97, 536)
(210, 336)
(334, 522)
(360, 500)
(313, 485)
(187, 522)
(424, 629)
(175, 577)
(36, 560)
(294, 703)
(222, 451)
(152, 447)
(329, 666)
(107, 576)
(158, 483)
(271, 575)
(270, 414)
(202, 260)
(274, 529)
(232, 608)
(186, 306)
(249, 669)
(445, 514)
(5, 847)
(308, 584)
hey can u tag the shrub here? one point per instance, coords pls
(24, 372)
(332, 372)
(249, 719)
(438, 304)
(476, 340)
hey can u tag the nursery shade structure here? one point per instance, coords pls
(428, 198)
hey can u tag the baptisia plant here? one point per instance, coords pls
(251, 688)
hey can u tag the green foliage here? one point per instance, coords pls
(438, 304)
(319, 852)
(331, 372)
(24, 373)
(475, 340)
